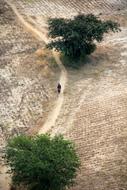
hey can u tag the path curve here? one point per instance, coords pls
(53, 115)
(5, 178)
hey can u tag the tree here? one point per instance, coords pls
(77, 36)
(42, 162)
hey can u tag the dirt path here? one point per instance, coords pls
(96, 98)
(63, 77)
(4, 179)
(50, 122)
(37, 34)
(41, 35)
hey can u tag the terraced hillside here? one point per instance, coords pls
(94, 111)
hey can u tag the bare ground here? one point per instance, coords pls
(27, 82)
(94, 111)
(63, 77)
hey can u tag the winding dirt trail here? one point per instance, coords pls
(53, 115)
(41, 35)
(50, 122)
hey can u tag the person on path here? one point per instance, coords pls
(59, 88)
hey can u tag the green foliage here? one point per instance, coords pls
(77, 36)
(74, 63)
(42, 162)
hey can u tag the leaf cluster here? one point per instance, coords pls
(77, 35)
(42, 162)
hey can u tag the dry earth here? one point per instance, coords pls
(27, 81)
(95, 103)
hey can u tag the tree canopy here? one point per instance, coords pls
(42, 162)
(79, 35)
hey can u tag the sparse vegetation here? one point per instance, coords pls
(94, 102)
(42, 162)
(77, 37)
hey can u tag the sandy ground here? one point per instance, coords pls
(5, 179)
(63, 78)
(93, 111)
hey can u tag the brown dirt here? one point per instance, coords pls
(26, 85)
(94, 108)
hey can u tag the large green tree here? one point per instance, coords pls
(79, 35)
(42, 162)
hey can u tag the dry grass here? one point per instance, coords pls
(95, 106)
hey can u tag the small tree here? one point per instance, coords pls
(77, 36)
(42, 162)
